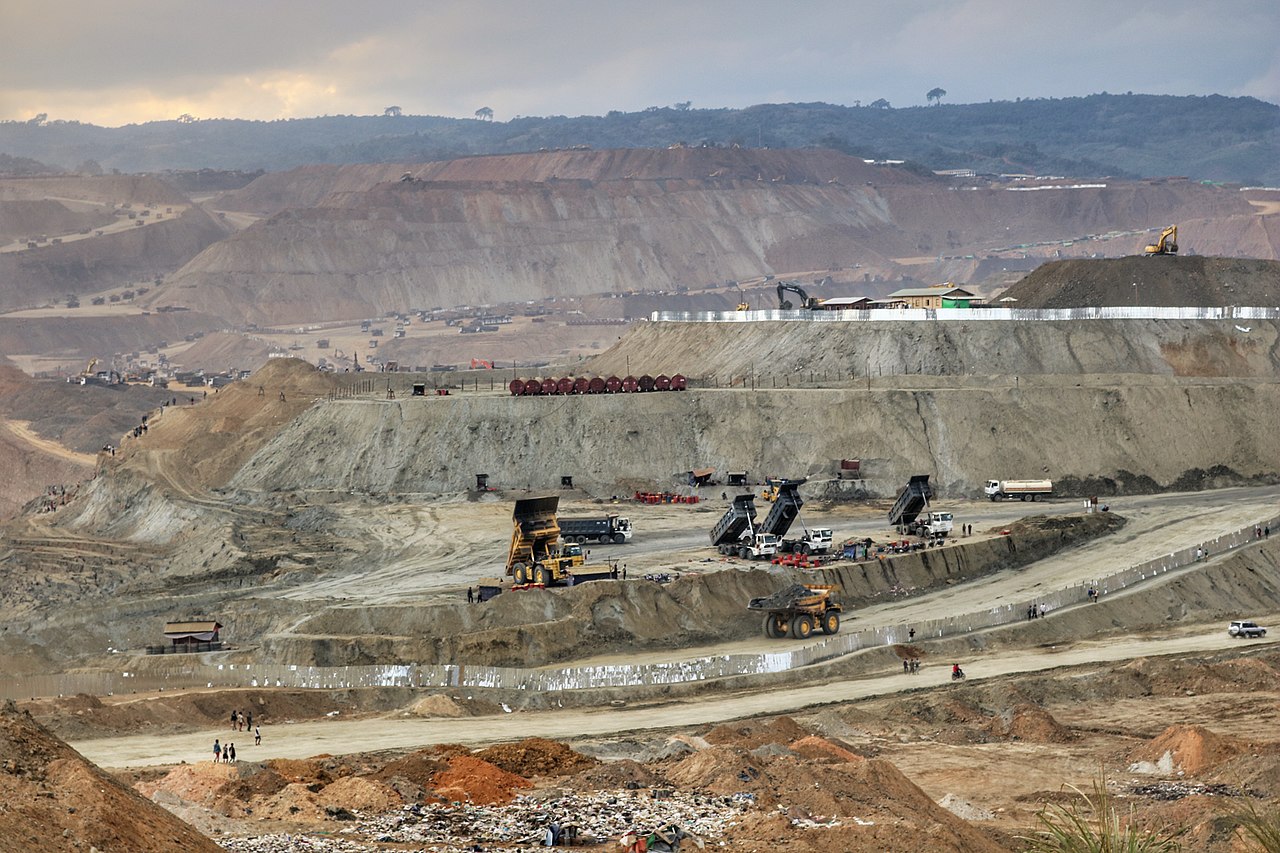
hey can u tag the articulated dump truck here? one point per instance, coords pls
(535, 555)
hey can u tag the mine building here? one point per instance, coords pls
(190, 636)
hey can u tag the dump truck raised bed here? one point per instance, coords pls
(535, 555)
(784, 512)
(1028, 490)
(912, 500)
(609, 528)
(799, 610)
(736, 534)
(736, 521)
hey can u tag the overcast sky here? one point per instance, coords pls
(114, 62)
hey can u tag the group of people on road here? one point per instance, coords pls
(240, 722)
(1037, 611)
(224, 755)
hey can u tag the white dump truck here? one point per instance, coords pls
(1027, 490)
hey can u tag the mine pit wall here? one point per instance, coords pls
(1149, 434)
(775, 350)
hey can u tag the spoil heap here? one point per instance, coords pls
(54, 800)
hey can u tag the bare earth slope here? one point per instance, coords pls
(55, 800)
(490, 230)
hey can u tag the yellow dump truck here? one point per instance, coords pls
(799, 610)
(535, 555)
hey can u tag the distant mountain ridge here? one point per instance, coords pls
(1215, 138)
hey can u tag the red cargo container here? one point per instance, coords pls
(596, 385)
(516, 387)
(548, 386)
(629, 384)
(646, 383)
(565, 386)
(581, 384)
(662, 382)
(678, 382)
(532, 387)
(613, 385)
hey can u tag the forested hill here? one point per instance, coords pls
(1205, 138)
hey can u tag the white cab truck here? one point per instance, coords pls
(1028, 490)
(814, 540)
(937, 524)
(757, 546)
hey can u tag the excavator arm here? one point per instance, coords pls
(1167, 244)
(806, 301)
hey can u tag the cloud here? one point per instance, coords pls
(130, 61)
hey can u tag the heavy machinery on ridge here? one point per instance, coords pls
(1167, 244)
(807, 302)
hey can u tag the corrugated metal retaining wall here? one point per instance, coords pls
(888, 315)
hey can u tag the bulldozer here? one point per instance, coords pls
(535, 557)
(1166, 245)
(799, 610)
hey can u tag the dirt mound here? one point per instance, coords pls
(471, 779)
(822, 749)
(417, 768)
(1163, 281)
(305, 771)
(359, 794)
(615, 775)
(536, 756)
(1191, 749)
(755, 733)
(54, 800)
(1032, 724)
(876, 806)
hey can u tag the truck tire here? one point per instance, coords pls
(520, 574)
(581, 540)
(803, 548)
(1035, 498)
(830, 622)
(801, 627)
(771, 627)
(619, 538)
(541, 576)
(1024, 498)
(744, 554)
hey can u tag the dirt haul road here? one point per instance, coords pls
(429, 552)
(336, 736)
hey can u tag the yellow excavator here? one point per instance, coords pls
(1166, 245)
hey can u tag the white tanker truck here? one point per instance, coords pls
(1028, 490)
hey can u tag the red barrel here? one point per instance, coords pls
(678, 382)
(613, 385)
(595, 386)
(516, 387)
(581, 384)
(662, 382)
(646, 383)
(532, 387)
(629, 385)
(548, 386)
(565, 386)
